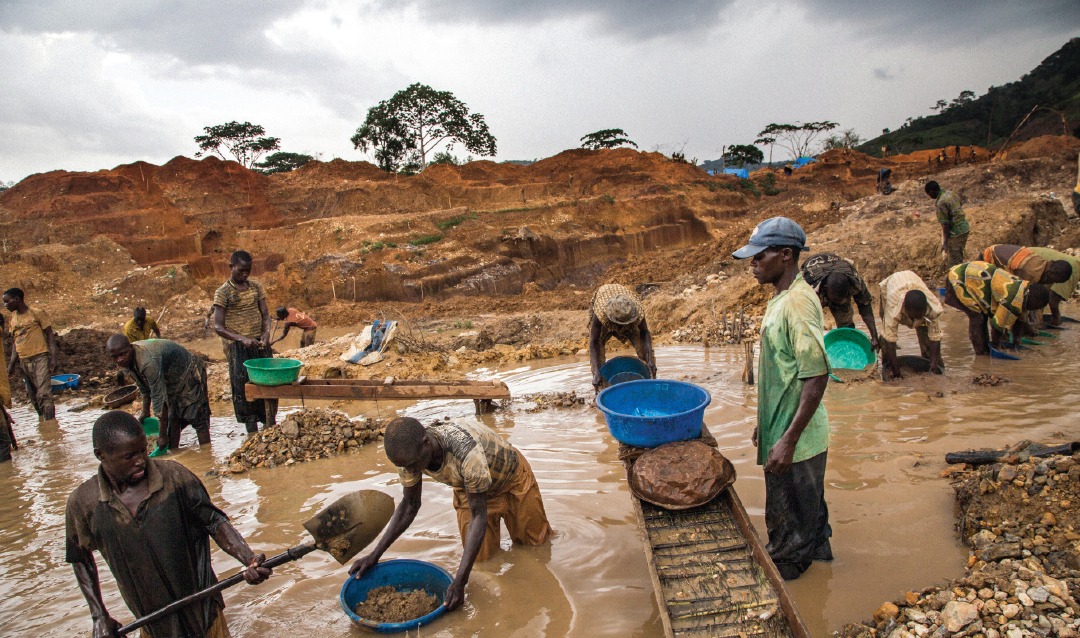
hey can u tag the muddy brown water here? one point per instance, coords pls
(892, 514)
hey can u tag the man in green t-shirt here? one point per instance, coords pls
(954, 225)
(792, 434)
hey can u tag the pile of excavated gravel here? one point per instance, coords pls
(1021, 519)
(313, 433)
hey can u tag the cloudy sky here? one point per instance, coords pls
(89, 84)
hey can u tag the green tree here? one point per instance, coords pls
(282, 162)
(740, 155)
(607, 138)
(419, 118)
(245, 142)
(796, 138)
(846, 139)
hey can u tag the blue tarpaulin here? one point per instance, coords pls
(803, 161)
(738, 172)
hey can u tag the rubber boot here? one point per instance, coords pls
(252, 425)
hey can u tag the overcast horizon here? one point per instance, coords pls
(89, 86)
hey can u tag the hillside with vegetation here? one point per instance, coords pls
(1052, 89)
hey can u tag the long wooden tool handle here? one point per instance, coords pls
(287, 556)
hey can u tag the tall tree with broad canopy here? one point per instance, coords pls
(607, 138)
(796, 138)
(282, 163)
(245, 142)
(740, 155)
(419, 119)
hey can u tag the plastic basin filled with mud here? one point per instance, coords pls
(65, 382)
(620, 369)
(849, 349)
(651, 412)
(273, 371)
(404, 575)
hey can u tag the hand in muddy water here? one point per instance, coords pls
(105, 627)
(455, 596)
(254, 574)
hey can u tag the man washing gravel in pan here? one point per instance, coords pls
(792, 433)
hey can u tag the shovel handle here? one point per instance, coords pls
(286, 556)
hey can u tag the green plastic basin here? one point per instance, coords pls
(151, 426)
(849, 349)
(273, 371)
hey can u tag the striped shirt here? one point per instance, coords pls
(893, 290)
(242, 313)
(475, 458)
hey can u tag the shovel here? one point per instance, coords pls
(342, 530)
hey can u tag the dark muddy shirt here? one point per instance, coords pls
(158, 556)
(818, 268)
(163, 371)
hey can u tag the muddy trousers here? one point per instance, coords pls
(956, 246)
(250, 413)
(307, 338)
(39, 384)
(520, 506)
(796, 516)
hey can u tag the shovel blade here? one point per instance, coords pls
(350, 523)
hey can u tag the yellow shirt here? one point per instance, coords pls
(28, 329)
(132, 332)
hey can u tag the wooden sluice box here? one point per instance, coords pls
(710, 572)
(481, 392)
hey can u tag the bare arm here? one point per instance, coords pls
(86, 574)
(594, 353)
(781, 454)
(474, 538)
(234, 545)
(888, 355)
(14, 360)
(403, 517)
(284, 333)
(219, 327)
(50, 337)
(867, 315)
(265, 311)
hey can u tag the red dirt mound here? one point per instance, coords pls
(1042, 147)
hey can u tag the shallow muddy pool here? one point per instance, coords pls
(892, 514)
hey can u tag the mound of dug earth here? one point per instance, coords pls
(1021, 520)
(313, 433)
(385, 604)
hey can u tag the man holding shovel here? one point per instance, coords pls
(151, 520)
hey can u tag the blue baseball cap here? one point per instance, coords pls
(776, 231)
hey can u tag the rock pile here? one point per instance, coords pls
(313, 433)
(1021, 522)
(988, 380)
(546, 400)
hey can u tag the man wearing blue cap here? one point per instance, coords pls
(792, 434)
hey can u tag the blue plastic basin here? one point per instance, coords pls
(651, 412)
(64, 382)
(402, 574)
(621, 365)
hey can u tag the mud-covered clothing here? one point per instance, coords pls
(1018, 260)
(519, 505)
(818, 268)
(243, 313)
(159, 555)
(260, 410)
(796, 516)
(951, 212)
(893, 290)
(990, 291)
(954, 250)
(630, 334)
(300, 320)
(37, 377)
(5, 384)
(475, 458)
(168, 374)
(134, 333)
(28, 330)
(792, 350)
(1065, 289)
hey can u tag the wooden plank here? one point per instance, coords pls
(654, 575)
(795, 621)
(436, 390)
(402, 382)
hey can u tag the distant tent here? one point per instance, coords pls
(803, 161)
(738, 172)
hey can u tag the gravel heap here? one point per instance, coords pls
(545, 400)
(1020, 519)
(312, 433)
